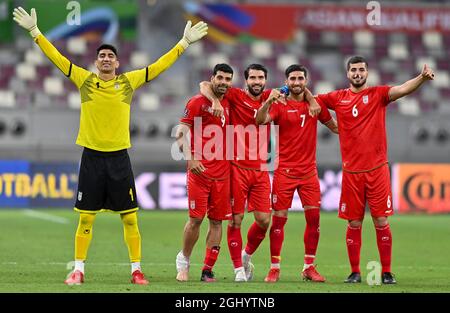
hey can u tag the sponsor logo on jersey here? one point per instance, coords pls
(292, 111)
(275, 199)
(346, 101)
(192, 204)
(80, 196)
(343, 206)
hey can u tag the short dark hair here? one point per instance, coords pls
(106, 46)
(257, 67)
(294, 68)
(357, 59)
(223, 67)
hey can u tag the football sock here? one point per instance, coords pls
(83, 235)
(353, 240)
(276, 236)
(210, 257)
(132, 236)
(311, 235)
(384, 242)
(255, 236)
(79, 266)
(234, 239)
(135, 266)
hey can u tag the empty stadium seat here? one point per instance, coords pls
(284, 60)
(149, 101)
(74, 100)
(139, 59)
(398, 51)
(261, 49)
(408, 106)
(53, 86)
(7, 99)
(26, 71)
(77, 45)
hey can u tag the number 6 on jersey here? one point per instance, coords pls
(355, 111)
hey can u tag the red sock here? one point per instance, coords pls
(255, 236)
(312, 233)
(354, 247)
(276, 237)
(235, 245)
(210, 257)
(384, 242)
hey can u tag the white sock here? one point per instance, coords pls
(79, 266)
(237, 269)
(246, 255)
(305, 266)
(275, 265)
(135, 266)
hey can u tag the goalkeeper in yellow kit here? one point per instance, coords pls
(106, 181)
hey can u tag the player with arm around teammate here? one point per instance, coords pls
(297, 168)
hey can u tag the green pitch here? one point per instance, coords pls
(35, 247)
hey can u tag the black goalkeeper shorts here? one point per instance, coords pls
(105, 183)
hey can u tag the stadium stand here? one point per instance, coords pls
(47, 103)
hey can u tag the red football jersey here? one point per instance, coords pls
(208, 135)
(251, 141)
(297, 135)
(361, 120)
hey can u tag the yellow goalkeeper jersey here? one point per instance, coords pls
(105, 105)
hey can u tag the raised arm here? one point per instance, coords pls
(206, 90)
(411, 85)
(29, 22)
(191, 34)
(263, 116)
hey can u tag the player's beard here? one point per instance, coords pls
(220, 90)
(357, 85)
(296, 90)
(255, 93)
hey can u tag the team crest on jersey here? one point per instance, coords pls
(275, 199)
(116, 86)
(80, 196)
(365, 99)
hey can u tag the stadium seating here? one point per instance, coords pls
(28, 81)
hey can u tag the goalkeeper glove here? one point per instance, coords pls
(29, 22)
(193, 33)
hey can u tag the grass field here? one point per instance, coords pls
(35, 247)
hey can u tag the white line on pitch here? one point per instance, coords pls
(45, 216)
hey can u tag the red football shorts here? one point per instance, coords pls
(249, 187)
(208, 196)
(373, 186)
(284, 187)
